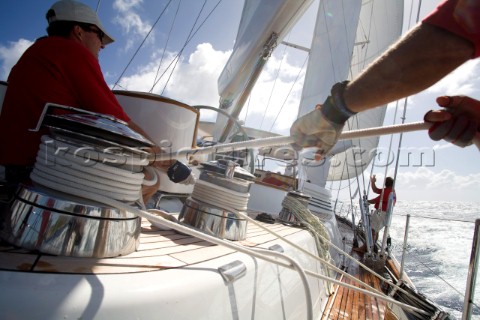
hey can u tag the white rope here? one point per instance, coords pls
(304, 215)
(60, 165)
(154, 175)
(220, 197)
(299, 208)
(88, 173)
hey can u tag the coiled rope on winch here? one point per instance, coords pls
(220, 197)
(60, 164)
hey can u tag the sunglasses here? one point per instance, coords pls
(100, 34)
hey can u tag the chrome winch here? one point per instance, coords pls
(41, 219)
(287, 215)
(221, 190)
(86, 156)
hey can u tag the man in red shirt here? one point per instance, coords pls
(377, 219)
(62, 68)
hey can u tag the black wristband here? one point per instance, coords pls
(334, 107)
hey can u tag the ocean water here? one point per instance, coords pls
(438, 249)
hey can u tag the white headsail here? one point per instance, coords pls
(348, 37)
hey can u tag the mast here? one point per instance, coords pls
(262, 26)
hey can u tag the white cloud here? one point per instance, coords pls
(194, 81)
(464, 80)
(10, 55)
(425, 184)
(131, 22)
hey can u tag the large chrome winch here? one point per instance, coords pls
(87, 156)
(221, 190)
(51, 222)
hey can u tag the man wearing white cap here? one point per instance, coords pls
(62, 68)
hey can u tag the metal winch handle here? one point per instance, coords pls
(286, 140)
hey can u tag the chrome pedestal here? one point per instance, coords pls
(213, 221)
(51, 222)
(204, 213)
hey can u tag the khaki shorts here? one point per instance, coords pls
(377, 220)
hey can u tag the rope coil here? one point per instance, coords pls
(63, 166)
(221, 197)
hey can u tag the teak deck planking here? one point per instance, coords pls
(158, 249)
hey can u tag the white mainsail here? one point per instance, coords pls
(348, 37)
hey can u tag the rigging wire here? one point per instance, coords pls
(436, 218)
(340, 184)
(329, 42)
(290, 91)
(351, 77)
(165, 47)
(248, 107)
(417, 258)
(367, 38)
(98, 6)
(380, 204)
(177, 58)
(141, 44)
(274, 83)
(185, 44)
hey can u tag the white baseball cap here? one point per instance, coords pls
(69, 10)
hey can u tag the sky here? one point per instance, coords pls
(433, 171)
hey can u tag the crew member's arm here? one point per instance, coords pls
(424, 56)
(373, 179)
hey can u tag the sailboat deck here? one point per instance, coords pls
(158, 249)
(347, 303)
(165, 249)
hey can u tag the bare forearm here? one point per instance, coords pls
(420, 59)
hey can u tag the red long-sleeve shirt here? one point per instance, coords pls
(461, 17)
(56, 70)
(386, 193)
